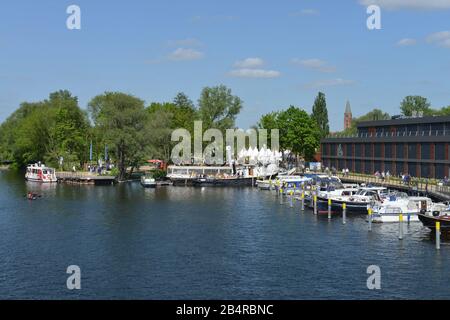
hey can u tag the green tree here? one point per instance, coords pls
(320, 114)
(46, 130)
(299, 133)
(411, 104)
(218, 108)
(121, 119)
(269, 122)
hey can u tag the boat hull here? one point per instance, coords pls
(240, 182)
(430, 222)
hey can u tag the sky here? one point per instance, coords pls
(272, 54)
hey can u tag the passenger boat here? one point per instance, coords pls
(40, 173)
(148, 182)
(399, 203)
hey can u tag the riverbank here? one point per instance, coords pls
(4, 167)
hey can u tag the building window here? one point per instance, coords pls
(425, 171)
(412, 169)
(358, 150)
(400, 151)
(412, 150)
(388, 150)
(426, 151)
(439, 151)
(368, 150)
(440, 171)
(378, 150)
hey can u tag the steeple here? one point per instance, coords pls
(348, 108)
(348, 117)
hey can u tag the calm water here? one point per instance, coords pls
(187, 243)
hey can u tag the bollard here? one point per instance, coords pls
(291, 200)
(270, 185)
(281, 195)
(438, 235)
(329, 209)
(344, 213)
(315, 203)
(370, 219)
(303, 201)
(400, 226)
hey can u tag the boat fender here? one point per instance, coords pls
(423, 211)
(436, 213)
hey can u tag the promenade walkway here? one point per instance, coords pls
(417, 185)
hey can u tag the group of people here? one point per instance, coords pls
(383, 175)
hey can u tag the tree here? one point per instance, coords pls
(269, 122)
(121, 119)
(320, 114)
(411, 104)
(44, 131)
(218, 108)
(299, 133)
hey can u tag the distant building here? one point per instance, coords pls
(418, 146)
(348, 116)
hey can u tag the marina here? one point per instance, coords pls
(185, 243)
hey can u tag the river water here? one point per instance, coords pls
(188, 243)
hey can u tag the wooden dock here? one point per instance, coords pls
(84, 178)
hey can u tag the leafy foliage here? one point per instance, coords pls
(320, 114)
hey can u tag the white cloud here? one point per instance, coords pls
(409, 4)
(407, 42)
(188, 42)
(183, 54)
(441, 39)
(254, 73)
(249, 63)
(329, 83)
(306, 12)
(315, 64)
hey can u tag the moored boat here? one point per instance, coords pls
(40, 173)
(390, 209)
(148, 182)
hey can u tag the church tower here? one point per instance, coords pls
(348, 116)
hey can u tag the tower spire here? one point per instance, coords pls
(348, 116)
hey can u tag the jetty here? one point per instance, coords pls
(85, 178)
(417, 186)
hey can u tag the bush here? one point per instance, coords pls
(159, 174)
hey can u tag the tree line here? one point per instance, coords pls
(134, 132)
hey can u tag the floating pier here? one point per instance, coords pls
(84, 178)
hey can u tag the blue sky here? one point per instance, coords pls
(270, 53)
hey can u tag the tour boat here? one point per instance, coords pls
(399, 203)
(148, 182)
(40, 173)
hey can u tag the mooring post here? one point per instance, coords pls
(438, 235)
(303, 201)
(270, 185)
(329, 209)
(400, 226)
(281, 195)
(344, 213)
(315, 203)
(291, 200)
(370, 218)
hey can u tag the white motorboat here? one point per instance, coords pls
(390, 209)
(40, 173)
(148, 182)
